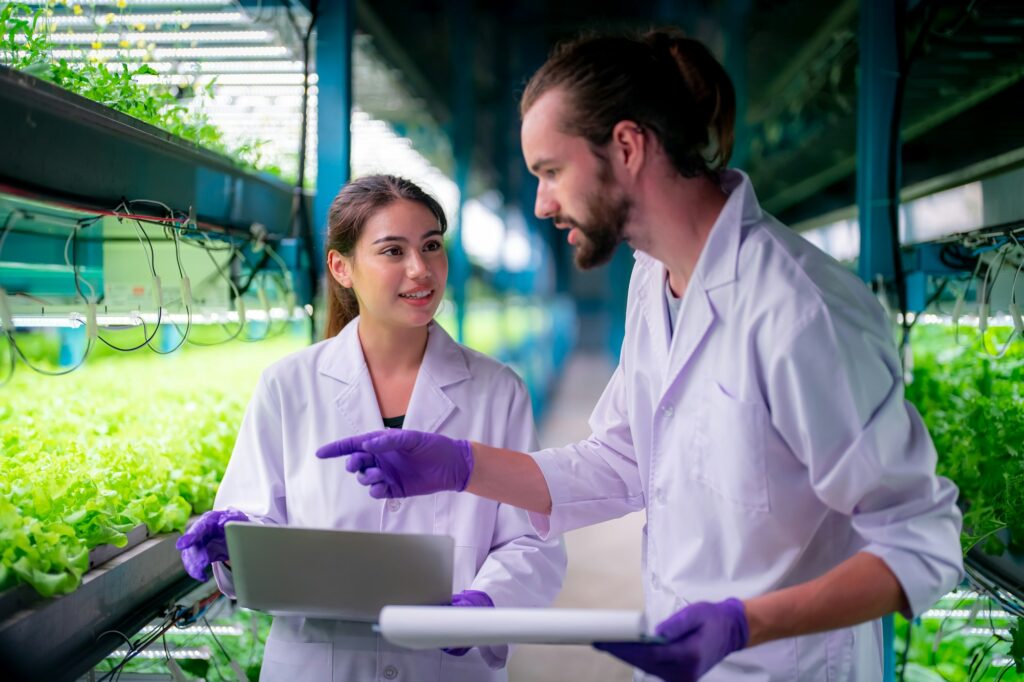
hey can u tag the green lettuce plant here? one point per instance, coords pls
(130, 440)
(974, 408)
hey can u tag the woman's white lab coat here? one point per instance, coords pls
(768, 440)
(324, 393)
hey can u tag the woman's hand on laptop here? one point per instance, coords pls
(397, 463)
(204, 542)
(468, 598)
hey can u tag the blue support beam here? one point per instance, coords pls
(879, 74)
(335, 29)
(461, 132)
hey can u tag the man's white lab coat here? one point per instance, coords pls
(768, 440)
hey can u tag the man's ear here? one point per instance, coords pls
(629, 145)
(340, 267)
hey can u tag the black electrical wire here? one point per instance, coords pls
(931, 299)
(12, 357)
(219, 646)
(905, 60)
(73, 239)
(253, 271)
(135, 647)
(188, 308)
(49, 373)
(227, 278)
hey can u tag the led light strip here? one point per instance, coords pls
(163, 37)
(174, 19)
(164, 53)
(228, 630)
(202, 653)
(938, 614)
(76, 320)
(171, 5)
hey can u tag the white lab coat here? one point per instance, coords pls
(324, 393)
(768, 440)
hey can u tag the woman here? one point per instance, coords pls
(384, 363)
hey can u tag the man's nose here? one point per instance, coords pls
(545, 206)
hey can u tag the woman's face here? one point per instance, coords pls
(398, 268)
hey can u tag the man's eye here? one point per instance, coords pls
(550, 173)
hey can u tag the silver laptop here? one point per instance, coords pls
(343, 575)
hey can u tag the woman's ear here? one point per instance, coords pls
(340, 267)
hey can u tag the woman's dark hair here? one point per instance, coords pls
(356, 203)
(662, 80)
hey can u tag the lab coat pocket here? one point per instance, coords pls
(291, 661)
(730, 449)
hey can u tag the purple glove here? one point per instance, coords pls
(698, 638)
(394, 463)
(204, 542)
(468, 598)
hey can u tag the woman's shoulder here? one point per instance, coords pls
(307, 358)
(484, 368)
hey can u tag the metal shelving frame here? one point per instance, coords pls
(62, 148)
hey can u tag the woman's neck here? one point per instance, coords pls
(392, 350)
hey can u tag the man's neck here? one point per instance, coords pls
(679, 217)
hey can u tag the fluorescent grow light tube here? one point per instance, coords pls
(170, 18)
(108, 37)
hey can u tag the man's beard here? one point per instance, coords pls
(605, 228)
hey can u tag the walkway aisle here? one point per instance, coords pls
(604, 560)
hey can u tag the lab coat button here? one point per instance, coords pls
(667, 410)
(390, 672)
(394, 505)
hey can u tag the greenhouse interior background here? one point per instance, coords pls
(165, 174)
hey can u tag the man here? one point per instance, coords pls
(757, 412)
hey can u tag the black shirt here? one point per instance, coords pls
(394, 422)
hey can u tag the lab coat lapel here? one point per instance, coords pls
(651, 293)
(695, 321)
(444, 365)
(716, 268)
(344, 368)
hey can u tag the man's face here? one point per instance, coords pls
(576, 188)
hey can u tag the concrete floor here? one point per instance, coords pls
(604, 560)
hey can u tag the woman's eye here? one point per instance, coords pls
(393, 251)
(432, 246)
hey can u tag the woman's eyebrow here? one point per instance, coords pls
(390, 238)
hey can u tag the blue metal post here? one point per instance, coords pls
(335, 28)
(462, 141)
(879, 73)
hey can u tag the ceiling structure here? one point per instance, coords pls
(800, 59)
(795, 63)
